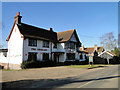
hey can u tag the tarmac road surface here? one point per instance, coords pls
(104, 77)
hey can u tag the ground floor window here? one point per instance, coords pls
(70, 56)
(45, 56)
(32, 56)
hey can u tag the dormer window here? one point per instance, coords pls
(32, 42)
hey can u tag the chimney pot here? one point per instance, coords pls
(95, 47)
(18, 18)
(18, 14)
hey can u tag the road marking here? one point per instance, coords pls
(88, 83)
(85, 84)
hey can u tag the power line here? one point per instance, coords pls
(87, 36)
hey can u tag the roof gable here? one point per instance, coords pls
(65, 35)
(68, 36)
(12, 31)
(73, 38)
(110, 53)
(92, 49)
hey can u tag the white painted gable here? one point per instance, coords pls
(15, 47)
(73, 38)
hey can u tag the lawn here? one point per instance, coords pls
(87, 66)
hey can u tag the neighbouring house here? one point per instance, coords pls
(94, 51)
(3, 57)
(110, 57)
(27, 42)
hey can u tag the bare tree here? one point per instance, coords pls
(119, 42)
(108, 41)
(1, 43)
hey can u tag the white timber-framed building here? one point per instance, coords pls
(27, 42)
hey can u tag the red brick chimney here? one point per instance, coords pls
(18, 14)
(18, 18)
(95, 47)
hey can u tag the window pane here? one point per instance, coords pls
(72, 46)
(45, 44)
(32, 56)
(32, 42)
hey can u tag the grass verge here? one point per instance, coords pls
(87, 66)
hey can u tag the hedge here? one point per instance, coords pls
(36, 64)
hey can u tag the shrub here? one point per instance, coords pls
(31, 64)
(36, 64)
(68, 63)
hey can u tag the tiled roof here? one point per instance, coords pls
(35, 32)
(91, 49)
(29, 31)
(65, 35)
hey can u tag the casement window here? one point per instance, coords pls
(32, 56)
(32, 42)
(46, 44)
(70, 56)
(45, 56)
(70, 45)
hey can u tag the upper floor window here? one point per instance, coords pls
(70, 45)
(46, 44)
(32, 42)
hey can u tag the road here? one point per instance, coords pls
(104, 77)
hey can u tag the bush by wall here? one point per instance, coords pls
(36, 64)
(31, 64)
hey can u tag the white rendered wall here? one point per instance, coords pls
(39, 52)
(15, 47)
(61, 47)
(3, 59)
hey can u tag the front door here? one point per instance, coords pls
(32, 56)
